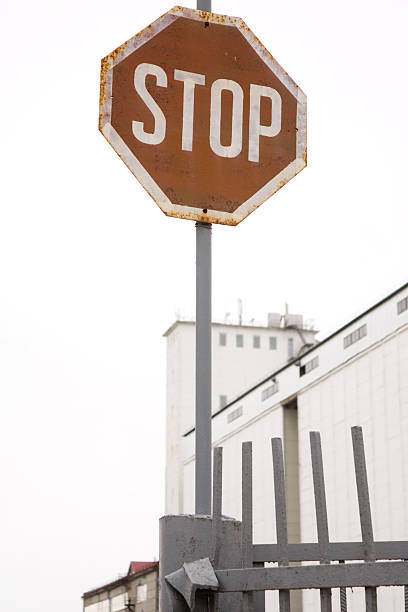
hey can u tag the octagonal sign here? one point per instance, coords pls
(203, 116)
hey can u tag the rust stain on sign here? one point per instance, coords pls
(203, 116)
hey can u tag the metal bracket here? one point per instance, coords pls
(192, 576)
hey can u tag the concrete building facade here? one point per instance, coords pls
(356, 376)
(137, 591)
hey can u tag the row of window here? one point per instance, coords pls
(274, 388)
(361, 332)
(355, 336)
(350, 339)
(402, 305)
(235, 414)
(309, 366)
(256, 341)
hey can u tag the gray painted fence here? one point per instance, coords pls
(209, 563)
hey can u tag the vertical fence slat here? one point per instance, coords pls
(406, 595)
(280, 513)
(343, 597)
(406, 598)
(246, 542)
(216, 519)
(216, 505)
(321, 512)
(363, 495)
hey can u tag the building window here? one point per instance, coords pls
(223, 401)
(402, 305)
(272, 343)
(257, 342)
(141, 593)
(118, 602)
(99, 606)
(355, 336)
(235, 414)
(271, 390)
(239, 340)
(291, 348)
(223, 339)
(309, 366)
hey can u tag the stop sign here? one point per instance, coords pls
(203, 116)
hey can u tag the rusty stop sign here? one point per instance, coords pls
(203, 116)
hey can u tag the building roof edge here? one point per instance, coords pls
(308, 352)
(242, 326)
(148, 566)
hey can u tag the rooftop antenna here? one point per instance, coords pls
(239, 311)
(285, 316)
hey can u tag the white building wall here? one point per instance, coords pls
(259, 433)
(371, 391)
(180, 387)
(234, 369)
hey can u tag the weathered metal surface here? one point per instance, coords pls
(369, 575)
(321, 512)
(347, 551)
(204, 5)
(364, 509)
(247, 519)
(186, 538)
(280, 515)
(405, 598)
(343, 597)
(191, 577)
(246, 541)
(210, 135)
(237, 568)
(203, 335)
(216, 536)
(217, 505)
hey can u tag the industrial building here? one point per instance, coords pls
(241, 354)
(356, 376)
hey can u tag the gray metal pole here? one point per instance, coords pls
(203, 370)
(203, 358)
(204, 5)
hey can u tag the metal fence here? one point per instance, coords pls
(223, 570)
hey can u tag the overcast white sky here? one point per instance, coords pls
(92, 272)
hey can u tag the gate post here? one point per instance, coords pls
(187, 538)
